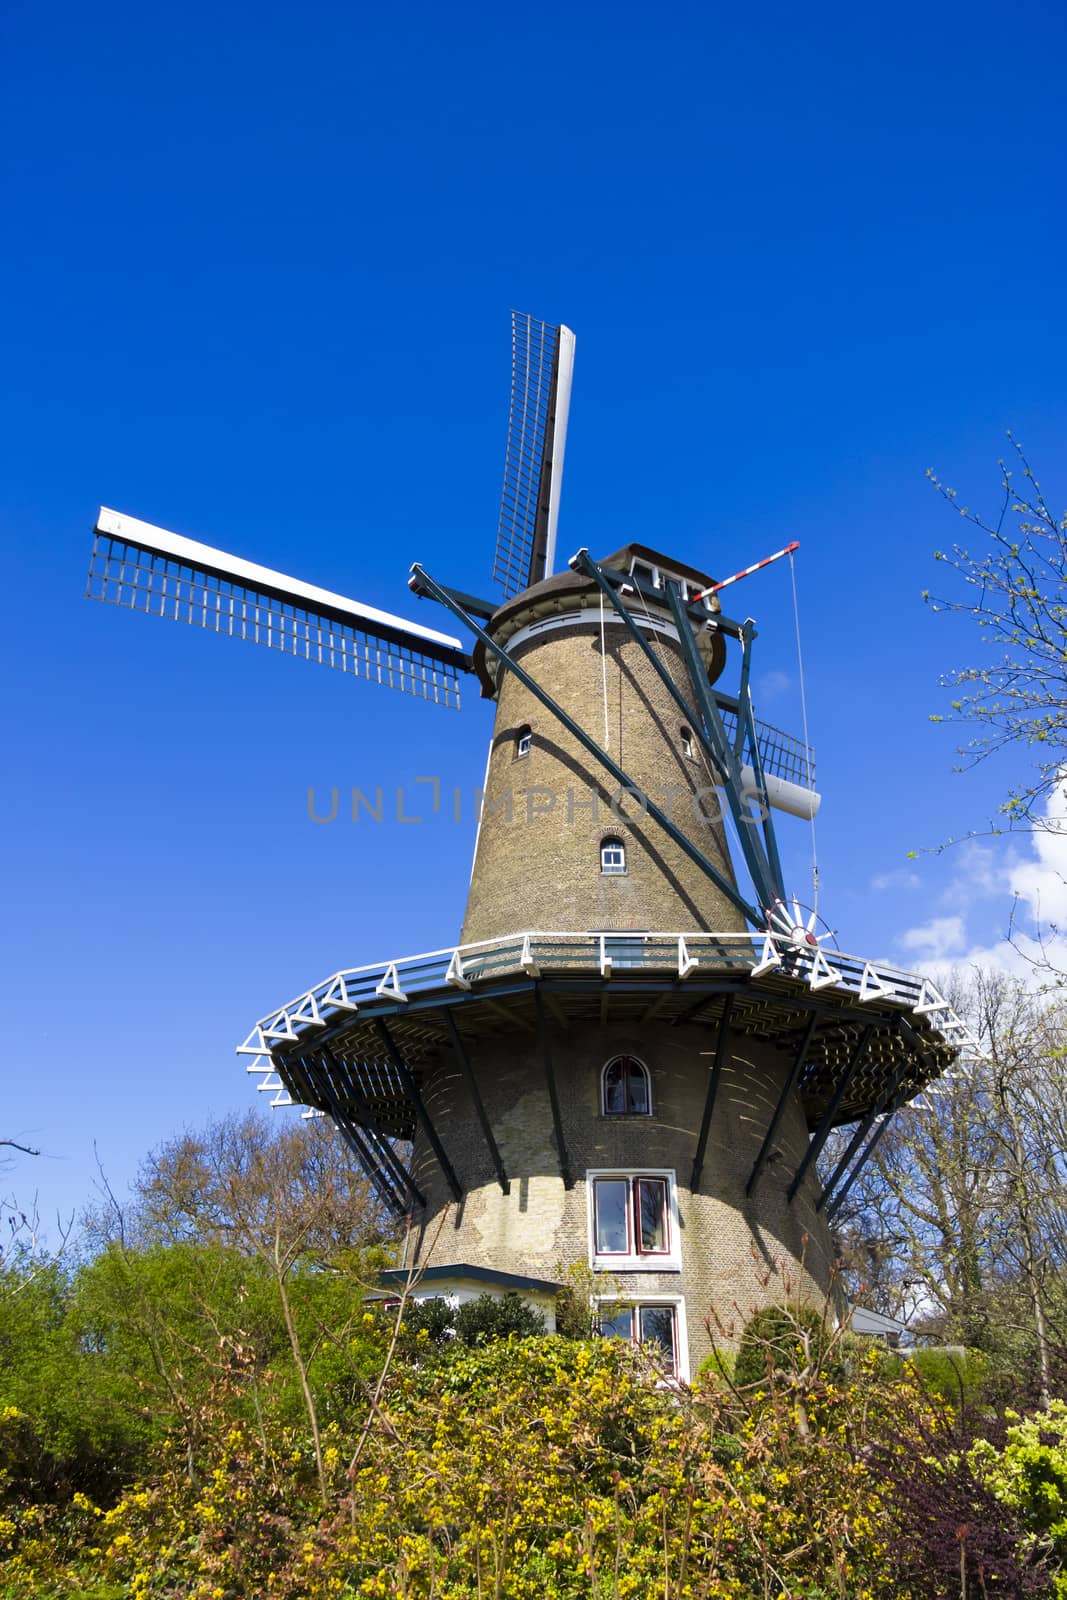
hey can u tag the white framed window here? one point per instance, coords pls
(633, 1220)
(523, 741)
(657, 1324)
(612, 857)
(625, 1088)
(686, 735)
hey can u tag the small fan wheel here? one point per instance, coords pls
(800, 924)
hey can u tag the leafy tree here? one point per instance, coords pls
(166, 1324)
(962, 1212)
(68, 1433)
(134, 1347)
(286, 1198)
(237, 1270)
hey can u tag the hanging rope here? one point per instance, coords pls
(804, 722)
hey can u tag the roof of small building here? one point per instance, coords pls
(864, 1320)
(462, 1270)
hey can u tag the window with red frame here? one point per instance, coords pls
(631, 1217)
(625, 1088)
(654, 1326)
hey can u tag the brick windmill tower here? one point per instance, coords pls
(639, 1046)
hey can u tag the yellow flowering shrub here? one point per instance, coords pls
(540, 1469)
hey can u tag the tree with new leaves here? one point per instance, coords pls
(23, 1240)
(17, 1228)
(962, 1212)
(288, 1201)
(1016, 591)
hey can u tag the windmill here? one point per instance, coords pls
(637, 1049)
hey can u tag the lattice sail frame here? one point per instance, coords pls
(148, 569)
(542, 361)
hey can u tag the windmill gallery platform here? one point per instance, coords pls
(634, 1056)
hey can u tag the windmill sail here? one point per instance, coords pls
(542, 362)
(148, 569)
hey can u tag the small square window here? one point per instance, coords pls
(612, 857)
(617, 1323)
(523, 741)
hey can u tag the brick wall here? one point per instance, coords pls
(541, 867)
(736, 1253)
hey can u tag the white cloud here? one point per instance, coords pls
(1041, 882)
(1016, 960)
(981, 872)
(899, 878)
(933, 940)
(772, 685)
(1019, 879)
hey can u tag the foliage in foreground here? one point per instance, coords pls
(558, 1469)
(206, 1408)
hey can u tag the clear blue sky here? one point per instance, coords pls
(257, 270)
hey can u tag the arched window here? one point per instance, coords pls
(612, 856)
(687, 742)
(523, 741)
(625, 1088)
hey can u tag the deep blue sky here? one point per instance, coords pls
(256, 277)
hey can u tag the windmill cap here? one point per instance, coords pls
(568, 590)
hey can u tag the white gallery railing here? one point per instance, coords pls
(610, 954)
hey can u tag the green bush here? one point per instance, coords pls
(104, 1361)
(490, 1317)
(719, 1367)
(436, 1318)
(779, 1338)
(1029, 1474)
(958, 1377)
(474, 1322)
(70, 1430)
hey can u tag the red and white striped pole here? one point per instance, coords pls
(777, 556)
